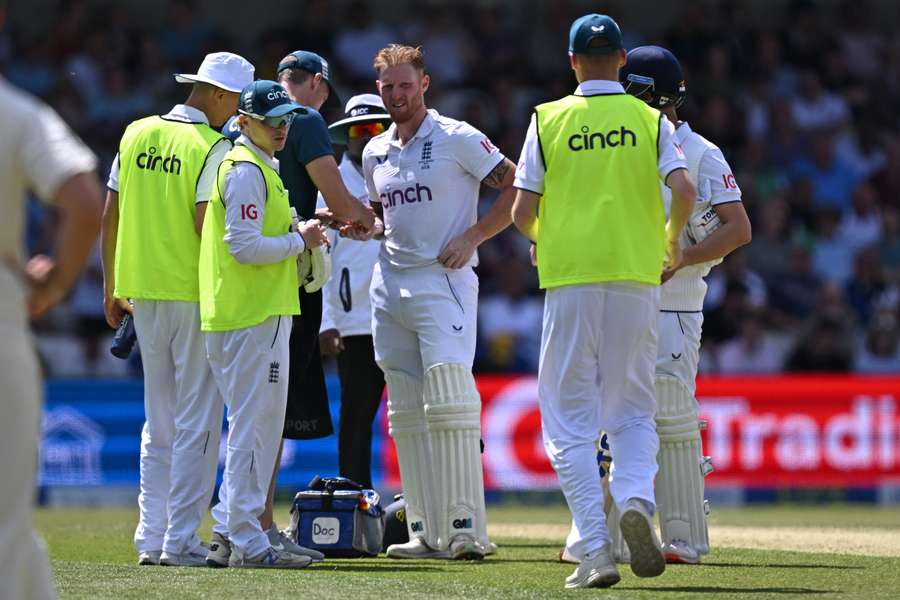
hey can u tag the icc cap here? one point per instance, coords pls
(224, 70)
(311, 63)
(364, 108)
(594, 34)
(265, 98)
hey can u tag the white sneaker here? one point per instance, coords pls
(490, 549)
(280, 541)
(415, 548)
(464, 547)
(149, 557)
(679, 551)
(598, 571)
(194, 558)
(270, 558)
(567, 557)
(219, 551)
(637, 529)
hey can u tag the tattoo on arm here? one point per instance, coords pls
(495, 178)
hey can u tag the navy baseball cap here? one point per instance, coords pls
(594, 34)
(264, 98)
(311, 63)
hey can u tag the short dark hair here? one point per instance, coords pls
(298, 76)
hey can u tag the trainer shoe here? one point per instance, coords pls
(219, 551)
(194, 558)
(270, 558)
(465, 547)
(490, 549)
(597, 570)
(637, 529)
(149, 557)
(280, 541)
(679, 551)
(567, 557)
(415, 548)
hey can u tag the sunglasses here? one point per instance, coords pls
(365, 130)
(275, 122)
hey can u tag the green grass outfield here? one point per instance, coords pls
(93, 558)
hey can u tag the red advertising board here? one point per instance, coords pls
(823, 431)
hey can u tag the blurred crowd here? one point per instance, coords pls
(803, 103)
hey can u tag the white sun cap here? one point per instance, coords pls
(223, 70)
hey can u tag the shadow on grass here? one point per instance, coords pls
(556, 547)
(702, 589)
(370, 568)
(770, 566)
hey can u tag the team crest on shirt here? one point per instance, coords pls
(425, 160)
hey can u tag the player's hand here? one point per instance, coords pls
(313, 233)
(532, 254)
(355, 232)
(327, 218)
(114, 309)
(673, 256)
(458, 251)
(44, 289)
(330, 342)
(365, 218)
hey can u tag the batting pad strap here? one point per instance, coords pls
(457, 417)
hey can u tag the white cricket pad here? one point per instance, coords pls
(406, 416)
(453, 413)
(679, 482)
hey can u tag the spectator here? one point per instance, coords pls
(832, 255)
(356, 44)
(880, 351)
(861, 225)
(794, 291)
(509, 323)
(833, 180)
(771, 240)
(824, 348)
(867, 285)
(754, 350)
(889, 246)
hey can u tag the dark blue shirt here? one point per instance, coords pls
(307, 140)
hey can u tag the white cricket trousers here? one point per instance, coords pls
(598, 350)
(24, 570)
(180, 439)
(251, 368)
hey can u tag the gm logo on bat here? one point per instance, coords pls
(326, 530)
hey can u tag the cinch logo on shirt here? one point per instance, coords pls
(151, 160)
(410, 195)
(588, 141)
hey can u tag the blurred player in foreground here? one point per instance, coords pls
(38, 153)
(718, 225)
(248, 295)
(346, 330)
(590, 198)
(423, 176)
(159, 187)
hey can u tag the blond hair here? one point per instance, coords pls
(398, 54)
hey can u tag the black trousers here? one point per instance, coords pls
(307, 416)
(362, 385)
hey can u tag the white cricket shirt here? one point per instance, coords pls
(427, 188)
(38, 152)
(716, 185)
(345, 296)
